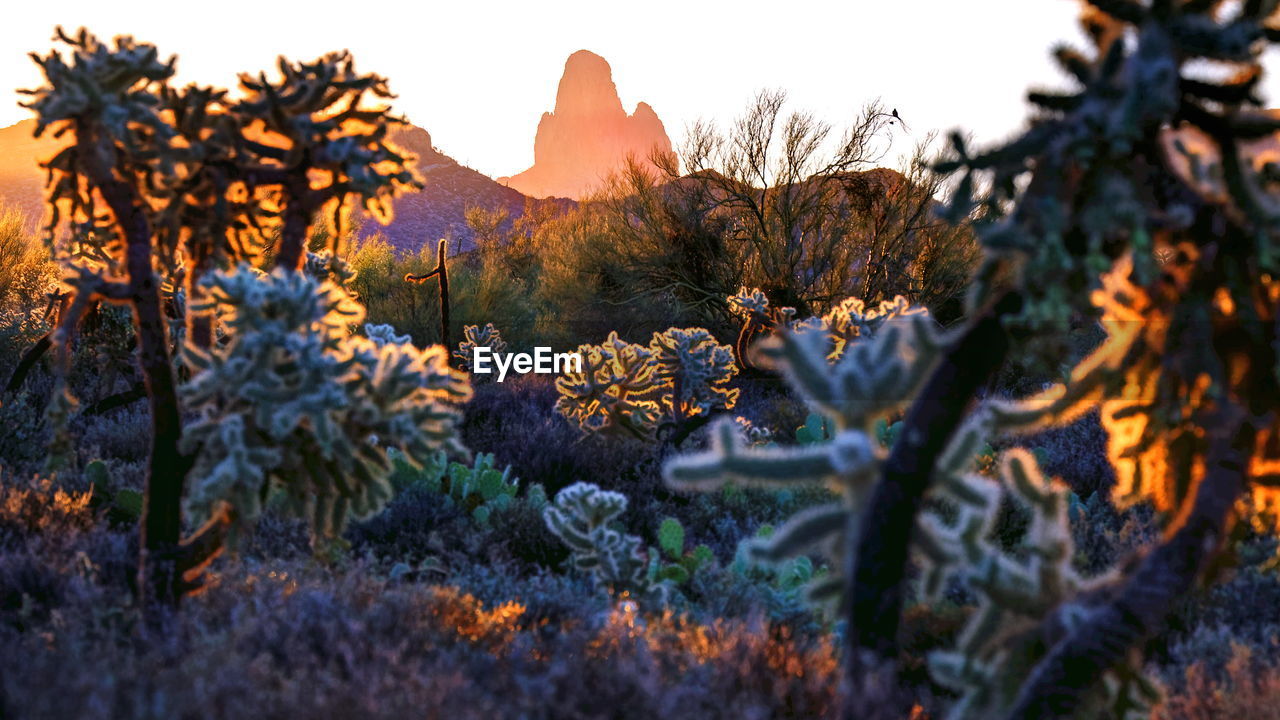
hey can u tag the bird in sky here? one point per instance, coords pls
(898, 117)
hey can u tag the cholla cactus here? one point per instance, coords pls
(1087, 213)
(474, 336)
(851, 319)
(845, 321)
(383, 334)
(693, 372)
(989, 662)
(611, 393)
(324, 265)
(161, 185)
(295, 403)
(871, 379)
(752, 305)
(749, 303)
(580, 517)
(675, 383)
(754, 434)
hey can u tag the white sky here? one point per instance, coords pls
(478, 74)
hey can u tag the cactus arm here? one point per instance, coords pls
(1146, 599)
(802, 533)
(877, 567)
(29, 359)
(849, 458)
(162, 505)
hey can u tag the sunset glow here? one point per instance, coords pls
(479, 76)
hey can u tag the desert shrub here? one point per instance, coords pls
(26, 435)
(483, 290)
(580, 294)
(480, 292)
(37, 505)
(379, 285)
(27, 275)
(1248, 688)
(517, 423)
(115, 435)
(768, 202)
(1076, 453)
(415, 525)
(274, 637)
(523, 533)
(29, 590)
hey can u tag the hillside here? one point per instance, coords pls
(436, 211)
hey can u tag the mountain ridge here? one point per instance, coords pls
(419, 218)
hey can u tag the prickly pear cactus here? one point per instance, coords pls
(480, 488)
(294, 403)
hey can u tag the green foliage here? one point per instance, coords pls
(816, 428)
(121, 504)
(671, 537)
(480, 488)
(388, 299)
(682, 376)
(481, 292)
(790, 575)
(296, 403)
(406, 474)
(670, 561)
(887, 432)
(128, 503)
(27, 275)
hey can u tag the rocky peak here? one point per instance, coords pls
(588, 135)
(587, 89)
